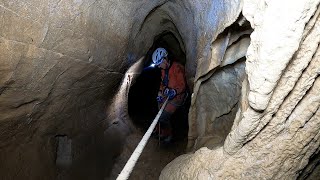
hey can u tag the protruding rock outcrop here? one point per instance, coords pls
(276, 129)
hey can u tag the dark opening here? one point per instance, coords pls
(142, 104)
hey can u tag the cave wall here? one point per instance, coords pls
(214, 120)
(275, 133)
(220, 93)
(61, 61)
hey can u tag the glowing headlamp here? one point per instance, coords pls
(152, 65)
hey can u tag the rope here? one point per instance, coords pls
(126, 171)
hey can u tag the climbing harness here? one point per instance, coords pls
(126, 171)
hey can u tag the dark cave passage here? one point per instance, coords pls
(142, 104)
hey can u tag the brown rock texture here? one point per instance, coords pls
(275, 133)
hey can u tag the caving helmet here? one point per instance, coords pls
(158, 55)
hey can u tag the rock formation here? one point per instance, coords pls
(275, 133)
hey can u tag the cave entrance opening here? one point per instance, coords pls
(142, 104)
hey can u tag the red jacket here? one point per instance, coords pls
(177, 81)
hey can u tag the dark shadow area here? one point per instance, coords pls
(142, 104)
(89, 153)
(312, 170)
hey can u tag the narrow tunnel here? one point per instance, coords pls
(142, 104)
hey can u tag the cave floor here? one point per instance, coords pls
(152, 160)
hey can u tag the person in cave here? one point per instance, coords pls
(172, 86)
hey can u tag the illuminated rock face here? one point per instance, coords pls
(255, 98)
(275, 133)
(58, 66)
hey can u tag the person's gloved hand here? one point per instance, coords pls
(171, 93)
(159, 99)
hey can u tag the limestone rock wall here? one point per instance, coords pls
(215, 120)
(60, 62)
(276, 129)
(218, 88)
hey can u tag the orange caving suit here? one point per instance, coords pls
(177, 81)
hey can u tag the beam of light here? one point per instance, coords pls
(152, 65)
(149, 67)
(118, 108)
